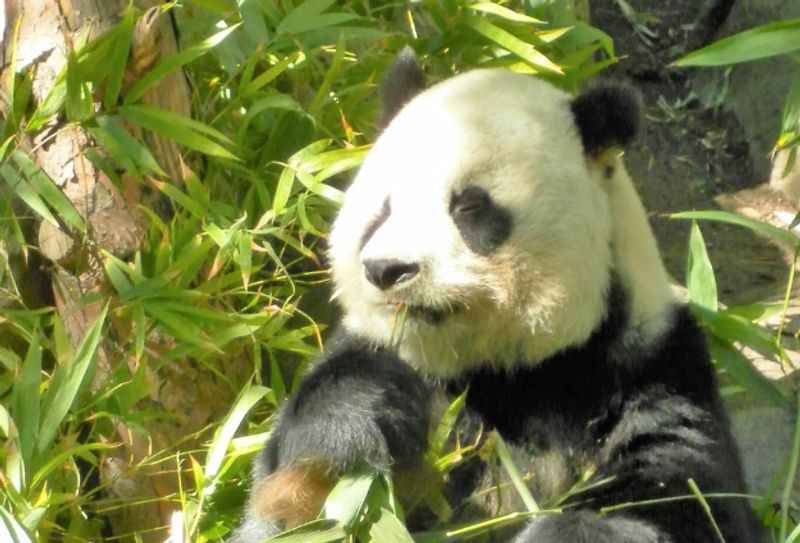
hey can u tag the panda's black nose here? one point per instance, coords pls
(385, 273)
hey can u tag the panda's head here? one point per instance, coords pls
(478, 229)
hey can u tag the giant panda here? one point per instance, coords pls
(495, 210)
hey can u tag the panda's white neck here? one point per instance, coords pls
(637, 260)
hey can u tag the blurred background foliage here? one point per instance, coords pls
(227, 277)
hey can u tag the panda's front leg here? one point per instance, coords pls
(359, 408)
(641, 492)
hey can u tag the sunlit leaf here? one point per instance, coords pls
(174, 62)
(760, 42)
(700, 280)
(63, 391)
(507, 40)
(504, 12)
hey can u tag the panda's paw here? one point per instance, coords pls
(358, 409)
(589, 527)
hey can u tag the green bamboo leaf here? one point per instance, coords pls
(274, 101)
(140, 330)
(387, 528)
(183, 130)
(129, 152)
(760, 42)
(513, 473)
(24, 192)
(180, 327)
(57, 461)
(220, 7)
(446, 424)
(283, 189)
(347, 498)
(733, 328)
(244, 257)
(270, 74)
(743, 372)
(63, 391)
(25, 400)
(116, 273)
(305, 13)
(11, 530)
(324, 20)
(767, 230)
(324, 90)
(198, 209)
(118, 57)
(318, 531)
(512, 43)
(700, 280)
(321, 189)
(248, 398)
(504, 12)
(79, 105)
(51, 105)
(174, 62)
(49, 192)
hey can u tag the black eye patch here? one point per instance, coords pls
(483, 225)
(376, 223)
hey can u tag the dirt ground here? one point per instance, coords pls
(692, 153)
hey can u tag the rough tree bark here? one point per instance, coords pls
(47, 31)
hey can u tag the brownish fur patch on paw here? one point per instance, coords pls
(294, 495)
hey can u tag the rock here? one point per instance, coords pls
(764, 435)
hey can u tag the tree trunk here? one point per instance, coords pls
(47, 31)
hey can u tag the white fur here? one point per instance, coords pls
(540, 291)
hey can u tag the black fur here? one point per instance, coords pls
(402, 82)
(483, 225)
(358, 406)
(376, 223)
(647, 419)
(607, 116)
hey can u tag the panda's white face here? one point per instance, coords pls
(476, 211)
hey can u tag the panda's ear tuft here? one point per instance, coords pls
(402, 82)
(607, 116)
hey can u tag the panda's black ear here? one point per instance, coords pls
(607, 116)
(402, 82)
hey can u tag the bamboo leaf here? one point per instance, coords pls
(24, 192)
(79, 105)
(446, 424)
(25, 400)
(11, 530)
(512, 43)
(347, 498)
(767, 230)
(183, 130)
(245, 257)
(49, 192)
(513, 473)
(58, 402)
(700, 280)
(743, 372)
(760, 42)
(129, 152)
(318, 531)
(249, 397)
(504, 12)
(174, 62)
(388, 529)
(118, 58)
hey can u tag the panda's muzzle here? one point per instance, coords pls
(386, 273)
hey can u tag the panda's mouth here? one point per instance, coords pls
(428, 314)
